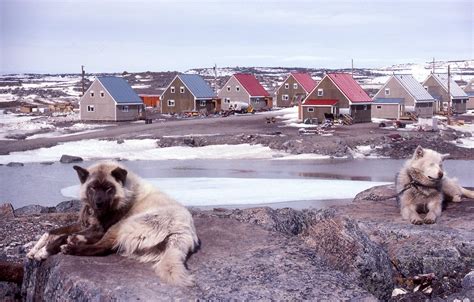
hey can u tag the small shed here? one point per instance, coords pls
(150, 100)
(318, 109)
(388, 108)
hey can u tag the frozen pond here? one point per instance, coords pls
(223, 182)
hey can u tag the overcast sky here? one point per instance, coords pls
(110, 36)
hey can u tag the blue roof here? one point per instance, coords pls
(199, 88)
(120, 90)
(388, 101)
(470, 93)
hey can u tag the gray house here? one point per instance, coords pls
(110, 99)
(437, 86)
(469, 90)
(402, 93)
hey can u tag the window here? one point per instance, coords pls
(285, 97)
(227, 100)
(102, 94)
(379, 107)
(181, 89)
(310, 109)
(90, 108)
(295, 85)
(228, 88)
(237, 88)
(365, 107)
(287, 85)
(124, 108)
(170, 103)
(426, 87)
(172, 89)
(320, 92)
(387, 91)
(92, 94)
(202, 103)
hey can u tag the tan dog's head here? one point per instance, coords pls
(102, 186)
(429, 163)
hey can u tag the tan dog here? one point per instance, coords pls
(128, 216)
(423, 186)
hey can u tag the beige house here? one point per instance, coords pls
(437, 86)
(402, 93)
(110, 99)
(244, 88)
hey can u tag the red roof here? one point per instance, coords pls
(349, 87)
(251, 84)
(322, 102)
(305, 80)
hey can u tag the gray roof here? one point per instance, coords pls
(199, 88)
(120, 90)
(414, 87)
(454, 89)
(388, 101)
(470, 93)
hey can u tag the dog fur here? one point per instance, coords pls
(423, 187)
(125, 214)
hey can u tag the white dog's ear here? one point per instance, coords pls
(418, 152)
(444, 156)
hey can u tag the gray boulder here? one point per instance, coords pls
(236, 261)
(34, 210)
(6, 210)
(67, 159)
(15, 164)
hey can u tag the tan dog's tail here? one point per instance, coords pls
(467, 193)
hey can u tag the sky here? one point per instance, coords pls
(44, 36)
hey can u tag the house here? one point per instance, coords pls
(337, 94)
(150, 100)
(110, 99)
(189, 93)
(294, 89)
(469, 90)
(244, 88)
(28, 108)
(402, 93)
(437, 86)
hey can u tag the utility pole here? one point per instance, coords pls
(433, 66)
(449, 95)
(352, 68)
(215, 78)
(83, 84)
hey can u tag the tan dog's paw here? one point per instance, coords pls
(38, 246)
(76, 239)
(42, 254)
(456, 198)
(429, 220)
(416, 221)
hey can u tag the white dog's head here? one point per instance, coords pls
(429, 163)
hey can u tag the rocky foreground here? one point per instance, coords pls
(360, 251)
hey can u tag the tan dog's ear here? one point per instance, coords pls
(120, 175)
(82, 173)
(444, 156)
(418, 152)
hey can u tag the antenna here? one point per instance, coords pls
(215, 77)
(83, 84)
(449, 94)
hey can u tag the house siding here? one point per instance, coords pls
(241, 96)
(132, 114)
(470, 103)
(104, 107)
(318, 112)
(361, 113)
(435, 89)
(291, 92)
(459, 105)
(330, 92)
(184, 102)
(424, 109)
(387, 111)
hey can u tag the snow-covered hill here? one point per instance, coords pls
(47, 89)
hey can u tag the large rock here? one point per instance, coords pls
(34, 209)
(236, 261)
(69, 206)
(67, 159)
(6, 210)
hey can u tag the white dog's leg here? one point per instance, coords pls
(467, 193)
(434, 212)
(38, 246)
